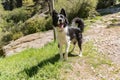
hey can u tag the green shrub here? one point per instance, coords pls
(48, 24)
(80, 8)
(17, 35)
(17, 15)
(6, 37)
(12, 27)
(14, 31)
(36, 24)
(11, 31)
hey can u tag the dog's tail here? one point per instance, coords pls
(79, 22)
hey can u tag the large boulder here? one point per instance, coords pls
(36, 40)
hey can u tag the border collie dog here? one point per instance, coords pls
(67, 33)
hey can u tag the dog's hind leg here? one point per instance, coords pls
(74, 44)
(80, 47)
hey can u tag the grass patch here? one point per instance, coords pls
(32, 64)
(114, 20)
(44, 64)
(114, 23)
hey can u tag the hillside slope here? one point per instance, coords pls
(100, 59)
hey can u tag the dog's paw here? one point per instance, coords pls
(65, 59)
(61, 59)
(80, 55)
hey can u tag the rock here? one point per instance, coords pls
(36, 40)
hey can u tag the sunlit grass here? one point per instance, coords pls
(31, 63)
(44, 64)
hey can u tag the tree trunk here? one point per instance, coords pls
(51, 8)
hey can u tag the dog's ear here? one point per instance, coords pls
(63, 12)
(54, 18)
(54, 13)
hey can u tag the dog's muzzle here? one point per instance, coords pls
(61, 25)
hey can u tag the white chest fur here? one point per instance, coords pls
(62, 36)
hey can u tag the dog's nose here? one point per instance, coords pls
(60, 20)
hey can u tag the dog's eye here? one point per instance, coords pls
(61, 16)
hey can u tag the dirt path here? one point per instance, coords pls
(106, 39)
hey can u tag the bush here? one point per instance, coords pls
(80, 8)
(17, 15)
(17, 35)
(6, 37)
(48, 24)
(36, 25)
(105, 3)
(11, 31)
(14, 31)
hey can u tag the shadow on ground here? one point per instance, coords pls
(34, 69)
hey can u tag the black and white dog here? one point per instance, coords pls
(67, 33)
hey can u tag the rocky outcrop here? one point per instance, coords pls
(36, 40)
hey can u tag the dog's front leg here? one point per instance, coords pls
(67, 50)
(60, 51)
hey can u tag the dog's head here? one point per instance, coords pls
(59, 19)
